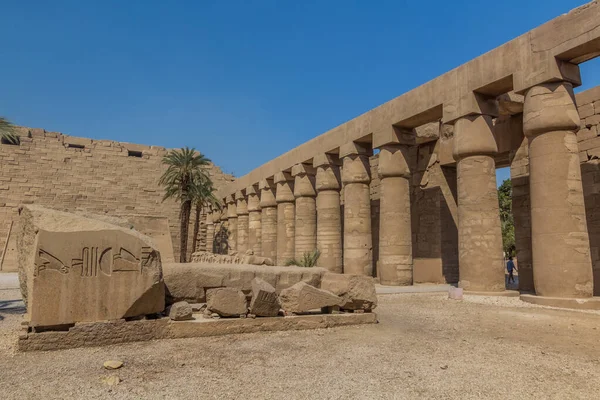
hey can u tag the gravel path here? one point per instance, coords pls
(425, 346)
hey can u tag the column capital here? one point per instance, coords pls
(241, 205)
(393, 161)
(473, 135)
(352, 148)
(325, 159)
(253, 198)
(550, 107)
(328, 173)
(267, 193)
(231, 210)
(304, 183)
(252, 189)
(285, 187)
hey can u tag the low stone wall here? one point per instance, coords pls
(116, 332)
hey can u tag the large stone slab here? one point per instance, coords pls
(80, 269)
(357, 291)
(302, 298)
(265, 302)
(190, 281)
(227, 302)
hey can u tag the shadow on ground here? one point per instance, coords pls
(14, 307)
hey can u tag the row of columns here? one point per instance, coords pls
(299, 210)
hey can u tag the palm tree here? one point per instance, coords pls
(204, 196)
(308, 260)
(7, 133)
(185, 168)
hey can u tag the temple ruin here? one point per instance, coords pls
(407, 191)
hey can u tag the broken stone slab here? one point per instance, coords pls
(357, 291)
(265, 302)
(80, 269)
(226, 302)
(190, 281)
(303, 297)
(181, 311)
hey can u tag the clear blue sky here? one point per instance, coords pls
(241, 81)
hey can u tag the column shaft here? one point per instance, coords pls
(210, 232)
(254, 222)
(358, 245)
(329, 218)
(286, 219)
(242, 223)
(268, 223)
(480, 251)
(306, 209)
(560, 244)
(395, 264)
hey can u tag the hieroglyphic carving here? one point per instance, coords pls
(248, 258)
(46, 261)
(92, 261)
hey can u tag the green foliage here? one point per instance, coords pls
(308, 260)
(182, 180)
(185, 169)
(7, 133)
(506, 217)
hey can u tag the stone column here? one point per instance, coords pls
(285, 217)
(210, 232)
(223, 231)
(231, 224)
(358, 242)
(560, 244)
(329, 219)
(254, 220)
(268, 206)
(242, 222)
(480, 251)
(306, 209)
(395, 264)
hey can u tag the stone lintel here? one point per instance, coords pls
(546, 69)
(471, 103)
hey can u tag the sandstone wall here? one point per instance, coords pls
(79, 174)
(589, 152)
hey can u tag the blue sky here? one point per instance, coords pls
(241, 81)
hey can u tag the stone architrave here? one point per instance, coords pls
(79, 269)
(303, 297)
(480, 252)
(329, 218)
(226, 301)
(306, 210)
(358, 240)
(559, 236)
(286, 219)
(395, 264)
(265, 302)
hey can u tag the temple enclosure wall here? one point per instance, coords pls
(87, 175)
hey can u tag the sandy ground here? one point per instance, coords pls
(425, 346)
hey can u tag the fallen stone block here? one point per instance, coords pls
(190, 281)
(356, 291)
(455, 293)
(226, 302)
(303, 297)
(80, 269)
(265, 302)
(181, 311)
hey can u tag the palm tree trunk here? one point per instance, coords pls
(196, 227)
(184, 216)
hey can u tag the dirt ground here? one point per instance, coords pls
(425, 346)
